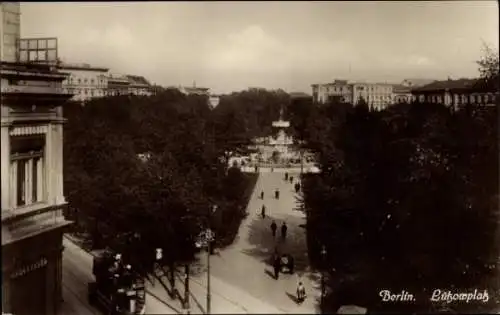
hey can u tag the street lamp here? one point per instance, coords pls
(323, 260)
(205, 239)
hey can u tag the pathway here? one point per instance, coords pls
(245, 263)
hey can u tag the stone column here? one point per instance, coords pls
(58, 162)
(49, 165)
(5, 164)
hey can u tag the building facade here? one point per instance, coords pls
(85, 81)
(455, 93)
(138, 85)
(32, 196)
(118, 85)
(10, 30)
(376, 95)
(402, 94)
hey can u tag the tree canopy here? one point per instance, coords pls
(407, 199)
(151, 167)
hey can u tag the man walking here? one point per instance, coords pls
(284, 228)
(286, 176)
(263, 212)
(276, 266)
(301, 292)
(297, 187)
(262, 195)
(274, 227)
(277, 193)
(291, 179)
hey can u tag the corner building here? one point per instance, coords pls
(32, 197)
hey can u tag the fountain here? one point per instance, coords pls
(277, 147)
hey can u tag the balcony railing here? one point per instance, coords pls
(25, 89)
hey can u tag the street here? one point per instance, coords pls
(77, 272)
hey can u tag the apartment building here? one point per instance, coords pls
(401, 94)
(32, 195)
(117, 85)
(32, 187)
(376, 95)
(455, 93)
(85, 81)
(138, 85)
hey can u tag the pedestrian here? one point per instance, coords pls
(297, 187)
(286, 175)
(284, 228)
(262, 195)
(291, 179)
(256, 169)
(274, 227)
(263, 211)
(301, 292)
(277, 193)
(276, 266)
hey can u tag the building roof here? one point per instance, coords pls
(348, 82)
(31, 70)
(417, 82)
(136, 79)
(191, 89)
(460, 84)
(81, 66)
(399, 88)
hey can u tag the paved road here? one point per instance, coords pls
(244, 263)
(77, 272)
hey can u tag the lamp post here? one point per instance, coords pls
(187, 307)
(323, 260)
(205, 240)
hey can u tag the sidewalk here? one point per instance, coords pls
(225, 298)
(77, 273)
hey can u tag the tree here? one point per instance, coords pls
(142, 173)
(489, 68)
(399, 185)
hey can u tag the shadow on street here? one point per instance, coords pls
(292, 297)
(264, 245)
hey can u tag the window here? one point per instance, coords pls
(86, 80)
(27, 170)
(472, 99)
(79, 81)
(92, 81)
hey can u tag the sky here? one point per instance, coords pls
(231, 46)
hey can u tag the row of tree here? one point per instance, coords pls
(149, 169)
(407, 199)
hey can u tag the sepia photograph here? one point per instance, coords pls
(250, 157)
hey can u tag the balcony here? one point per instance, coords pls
(30, 89)
(25, 222)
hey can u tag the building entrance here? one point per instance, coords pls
(29, 295)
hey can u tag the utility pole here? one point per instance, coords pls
(209, 237)
(209, 295)
(187, 307)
